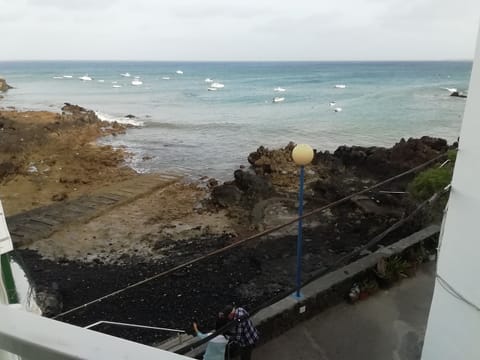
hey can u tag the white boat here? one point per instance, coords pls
(85, 78)
(337, 109)
(208, 80)
(166, 78)
(137, 82)
(125, 74)
(67, 76)
(212, 89)
(217, 85)
(340, 86)
(279, 89)
(179, 72)
(277, 99)
(116, 86)
(332, 103)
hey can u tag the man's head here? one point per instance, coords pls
(228, 312)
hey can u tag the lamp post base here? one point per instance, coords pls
(298, 296)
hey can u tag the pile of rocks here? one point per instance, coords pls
(4, 86)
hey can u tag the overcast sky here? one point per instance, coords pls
(240, 30)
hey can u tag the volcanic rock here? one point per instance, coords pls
(226, 195)
(384, 162)
(4, 86)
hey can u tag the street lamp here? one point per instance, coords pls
(302, 155)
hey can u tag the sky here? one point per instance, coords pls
(256, 30)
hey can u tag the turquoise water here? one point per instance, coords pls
(191, 130)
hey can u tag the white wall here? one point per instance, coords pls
(35, 337)
(453, 330)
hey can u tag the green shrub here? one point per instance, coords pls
(430, 181)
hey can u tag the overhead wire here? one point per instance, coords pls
(252, 237)
(452, 291)
(322, 272)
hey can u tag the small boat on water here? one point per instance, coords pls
(58, 77)
(338, 109)
(179, 72)
(217, 85)
(208, 80)
(332, 103)
(137, 81)
(116, 86)
(166, 78)
(277, 99)
(212, 89)
(125, 74)
(279, 89)
(85, 78)
(340, 86)
(67, 76)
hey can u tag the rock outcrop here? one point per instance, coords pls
(4, 86)
(383, 162)
(79, 113)
(247, 189)
(274, 176)
(458, 94)
(265, 161)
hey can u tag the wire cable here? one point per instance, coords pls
(322, 272)
(451, 290)
(252, 237)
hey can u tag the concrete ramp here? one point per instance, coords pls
(41, 222)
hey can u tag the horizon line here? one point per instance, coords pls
(238, 61)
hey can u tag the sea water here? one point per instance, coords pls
(185, 128)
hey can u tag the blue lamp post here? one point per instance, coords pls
(302, 155)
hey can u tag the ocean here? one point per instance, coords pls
(185, 128)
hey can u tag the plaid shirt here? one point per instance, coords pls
(245, 332)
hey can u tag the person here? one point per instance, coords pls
(216, 346)
(244, 333)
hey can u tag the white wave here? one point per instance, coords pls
(217, 85)
(68, 76)
(340, 86)
(208, 80)
(58, 77)
(451, 90)
(279, 89)
(120, 120)
(179, 72)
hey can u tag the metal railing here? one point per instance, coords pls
(179, 332)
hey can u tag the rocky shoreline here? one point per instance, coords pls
(180, 222)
